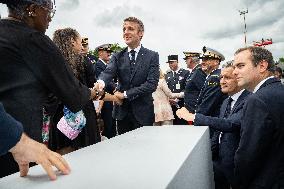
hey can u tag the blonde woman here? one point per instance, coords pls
(162, 108)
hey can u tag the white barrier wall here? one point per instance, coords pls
(172, 157)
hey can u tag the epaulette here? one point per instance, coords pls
(215, 75)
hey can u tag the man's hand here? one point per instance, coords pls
(99, 86)
(119, 95)
(117, 100)
(183, 113)
(28, 150)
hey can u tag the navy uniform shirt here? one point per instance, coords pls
(176, 81)
(211, 96)
(194, 83)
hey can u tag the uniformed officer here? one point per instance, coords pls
(85, 50)
(211, 97)
(194, 81)
(176, 79)
(104, 53)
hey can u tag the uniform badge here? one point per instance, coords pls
(178, 86)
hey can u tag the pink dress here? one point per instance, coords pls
(162, 108)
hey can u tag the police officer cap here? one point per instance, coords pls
(104, 47)
(191, 54)
(172, 58)
(85, 41)
(209, 53)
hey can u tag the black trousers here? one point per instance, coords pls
(178, 121)
(128, 123)
(109, 123)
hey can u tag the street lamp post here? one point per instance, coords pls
(245, 32)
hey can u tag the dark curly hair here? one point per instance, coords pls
(62, 39)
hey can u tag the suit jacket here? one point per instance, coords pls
(10, 131)
(194, 83)
(100, 67)
(259, 160)
(139, 85)
(230, 127)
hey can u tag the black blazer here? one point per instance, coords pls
(10, 131)
(31, 68)
(259, 160)
(194, 83)
(139, 85)
(100, 67)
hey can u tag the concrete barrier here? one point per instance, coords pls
(167, 157)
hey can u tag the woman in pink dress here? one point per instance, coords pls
(162, 108)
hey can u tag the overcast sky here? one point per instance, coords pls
(174, 26)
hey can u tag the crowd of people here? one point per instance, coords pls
(53, 91)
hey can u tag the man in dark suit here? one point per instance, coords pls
(194, 81)
(104, 53)
(137, 71)
(259, 160)
(176, 79)
(227, 126)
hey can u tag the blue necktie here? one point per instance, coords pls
(132, 60)
(228, 108)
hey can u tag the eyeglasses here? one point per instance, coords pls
(51, 12)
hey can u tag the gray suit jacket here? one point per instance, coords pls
(139, 85)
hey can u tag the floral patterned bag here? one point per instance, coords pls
(71, 124)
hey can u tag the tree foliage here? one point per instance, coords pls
(114, 47)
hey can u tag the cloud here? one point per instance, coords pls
(114, 17)
(70, 5)
(266, 15)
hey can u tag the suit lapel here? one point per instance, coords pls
(240, 99)
(222, 110)
(126, 60)
(138, 62)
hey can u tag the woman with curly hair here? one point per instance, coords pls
(68, 41)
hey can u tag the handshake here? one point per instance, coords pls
(98, 93)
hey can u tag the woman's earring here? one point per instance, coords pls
(31, 14)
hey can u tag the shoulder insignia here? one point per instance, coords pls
(212, 83)
(215, 75)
